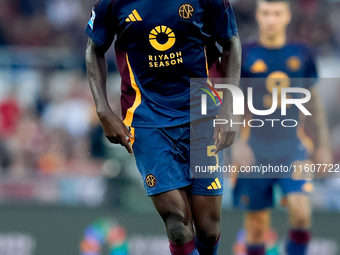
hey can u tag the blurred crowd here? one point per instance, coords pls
(48, 124)
(37, 23)
(61, 23)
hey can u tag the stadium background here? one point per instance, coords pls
(63, 188)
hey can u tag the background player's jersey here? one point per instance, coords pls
(290, 66)
(160, 46)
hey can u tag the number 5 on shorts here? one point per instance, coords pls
(210, 153)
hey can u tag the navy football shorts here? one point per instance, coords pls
(167, 158)
(256, 193)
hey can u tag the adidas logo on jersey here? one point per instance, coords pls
(215, 184)
(134, 16)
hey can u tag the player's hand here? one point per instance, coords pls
(242, 154)
(224, 136)
(115, 130)
(322, 155)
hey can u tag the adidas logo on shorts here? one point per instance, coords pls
(215, 184)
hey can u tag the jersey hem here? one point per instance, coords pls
(174, 124)
(91, 36)
(155, 192)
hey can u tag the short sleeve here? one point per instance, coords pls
(310, 69)
(101, 27)
(221, 21)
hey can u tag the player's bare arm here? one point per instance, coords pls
(241, 153)
(322, 154)
(114, 129)
(224, 136)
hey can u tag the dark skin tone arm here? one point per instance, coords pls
(224, 136)
(116, 131)
(114, 128)
(322, 154)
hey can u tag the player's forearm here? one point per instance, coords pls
(242, 132)
(96, 66)
(320, 123)
(319, 120)
(231, 62)
(230, 71)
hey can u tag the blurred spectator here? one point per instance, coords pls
(4, 158)
(9, 116)
(62, 13)
(25, 145)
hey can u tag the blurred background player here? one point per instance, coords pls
(158, 50)
(277, 61)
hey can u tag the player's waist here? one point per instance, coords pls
(269, 140)
(155, 119)
(276, 148)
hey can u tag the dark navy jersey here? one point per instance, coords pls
(294, 59)
(160, 45)
(263, 69)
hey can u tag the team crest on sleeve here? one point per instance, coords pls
(150, 180)
(294, 64)
(91, 21)
(186, 11)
